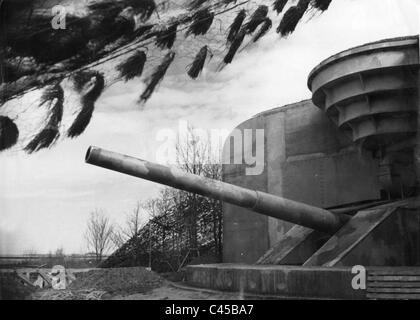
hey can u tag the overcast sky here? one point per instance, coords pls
(45, 198)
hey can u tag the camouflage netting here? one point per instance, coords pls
(100, 32)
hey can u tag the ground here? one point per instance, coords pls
(167, 291)
(113, 284)
(172, 291)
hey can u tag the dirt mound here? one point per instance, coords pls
(118, 280)
(87, 294)
(12, 288)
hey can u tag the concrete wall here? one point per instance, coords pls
(306, 159)
(284, 281)
(395, 242)
(387, 235)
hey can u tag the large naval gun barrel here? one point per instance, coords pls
(260, 202)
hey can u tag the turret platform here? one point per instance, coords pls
(384, 239)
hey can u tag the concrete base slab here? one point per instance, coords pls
(290, 281)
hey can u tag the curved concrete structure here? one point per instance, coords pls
(306, 159)
(356, 146)
(370, 91)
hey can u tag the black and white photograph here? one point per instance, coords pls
(211, 150)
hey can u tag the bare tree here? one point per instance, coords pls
(194, 155)
(99, 234)
(182, 226)
(134, 221)
(59, 252)
(59, 256)
(117, 237)
(133, 224)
